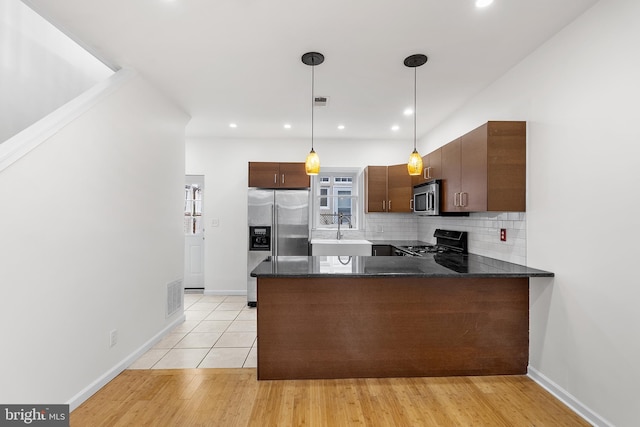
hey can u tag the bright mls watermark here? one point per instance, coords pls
(34, 415)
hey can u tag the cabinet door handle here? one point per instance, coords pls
(389, 205)
(384, 206)
(283, 178)
(424, 173)
(429, 172)
(462, 199)
(455, 199)
(275, 178)
(411, 205)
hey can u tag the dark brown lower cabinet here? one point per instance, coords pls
(381, 250)
(392, 327)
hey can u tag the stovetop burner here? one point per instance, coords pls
(447, 241)
(428, 249)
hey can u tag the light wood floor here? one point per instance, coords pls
(233, 397)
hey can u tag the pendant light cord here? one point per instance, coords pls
(313, 66)
(415, 113)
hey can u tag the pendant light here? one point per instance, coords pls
(312, 164)
(414, 165)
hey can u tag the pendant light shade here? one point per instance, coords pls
(312, 164)
(414, 165)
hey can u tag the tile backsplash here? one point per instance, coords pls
(483, 231)
(378, 226)
(391, 226)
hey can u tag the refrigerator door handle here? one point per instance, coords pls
(274, 224)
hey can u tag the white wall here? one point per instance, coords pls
(579, 94)
(91, 226)
(41, 68)
(224, 165)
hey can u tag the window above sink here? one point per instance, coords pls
(335, 198)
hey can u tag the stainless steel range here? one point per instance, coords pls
(447, 241)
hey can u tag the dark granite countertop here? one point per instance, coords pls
(429, 265)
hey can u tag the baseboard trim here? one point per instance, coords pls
(226, 292)
(92, 388)
(566, 398)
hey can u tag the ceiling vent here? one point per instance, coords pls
(320, 101)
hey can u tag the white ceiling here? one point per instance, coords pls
(239, 61)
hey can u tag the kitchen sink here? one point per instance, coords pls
(340, 247)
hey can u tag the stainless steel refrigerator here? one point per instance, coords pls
(278, 226)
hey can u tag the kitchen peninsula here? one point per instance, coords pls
(365, 316)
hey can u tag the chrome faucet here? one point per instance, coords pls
(342, 216)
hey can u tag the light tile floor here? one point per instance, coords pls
(219, 332)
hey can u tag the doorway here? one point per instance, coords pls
(193, 233)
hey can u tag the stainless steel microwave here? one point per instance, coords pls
(426, 198)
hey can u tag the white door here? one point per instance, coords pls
(194, 232)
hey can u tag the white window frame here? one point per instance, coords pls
(323, 203)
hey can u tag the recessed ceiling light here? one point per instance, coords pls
(287, 126)
(395, 128)
(483, 3)
(233, 125)
(340, 127)
(408, 111)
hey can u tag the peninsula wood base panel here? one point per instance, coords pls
(391, 327)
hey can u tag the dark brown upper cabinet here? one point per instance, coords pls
(278, 175)
(388, 189)
(432, 168)
(485, 169)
